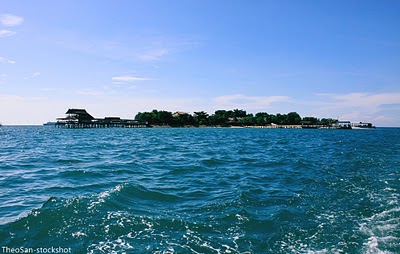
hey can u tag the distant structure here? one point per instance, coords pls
(309, 125)
(343, 125)
(362, 125)
(49, 124)
(346, 125)
(80, 118)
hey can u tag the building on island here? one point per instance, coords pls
(362, 125)
(343, 125)
(80, 118)
(309, 125)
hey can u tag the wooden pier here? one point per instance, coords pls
(80, 118)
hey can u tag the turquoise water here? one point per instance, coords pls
(200, 190)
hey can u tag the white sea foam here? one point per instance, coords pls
(381, 229)
(101, 198)
(78, 234)
(119, 245)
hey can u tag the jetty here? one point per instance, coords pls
(341, 125)
(80, 118)
(362, 125)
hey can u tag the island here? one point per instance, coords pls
(236, 118)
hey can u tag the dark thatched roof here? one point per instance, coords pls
(81, 113)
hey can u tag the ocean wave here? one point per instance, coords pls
(382, 229)
(201, 190)
(118, 220)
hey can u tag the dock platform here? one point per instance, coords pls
(80, 118)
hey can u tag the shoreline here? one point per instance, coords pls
(231, 127)
(259, 127)
(205, 127)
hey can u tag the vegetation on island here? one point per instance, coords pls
(226, 118)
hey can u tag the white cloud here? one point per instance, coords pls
(2, 77)
(6, 33)
(139, 48)
(17, 109)
(159, 47)
(5, 60)
(47, 89)
(248, 102)
(90, 92)
(9, 97)
(129, 79)
(361, 100)
(378, 108)
(10, 20)
(153, 54)
(33, 75)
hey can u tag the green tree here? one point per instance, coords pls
(182, 119)
(293, 118)
(248, 120)
(225, 118)
(262, 118)
(201, 118)
(279, 119)
(165, 117)
(310, 120)
(155, 117)
(145, 117)
(239, 113)
(220, 117)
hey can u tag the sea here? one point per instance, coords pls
(199, 190)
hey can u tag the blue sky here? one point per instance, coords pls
(116, 58)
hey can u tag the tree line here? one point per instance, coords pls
(226, 118)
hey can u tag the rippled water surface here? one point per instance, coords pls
(200, 190)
